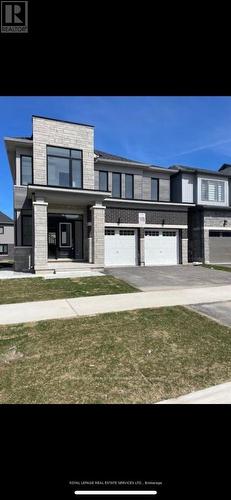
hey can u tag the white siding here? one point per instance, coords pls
(187, 188)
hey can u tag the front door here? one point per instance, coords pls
(66, 240)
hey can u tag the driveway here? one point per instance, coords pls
(170, 277)
(220, 311)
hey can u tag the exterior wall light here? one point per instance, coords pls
(225, 223)
(163, 222)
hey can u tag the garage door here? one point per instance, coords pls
(120, 247)
(220, 247)
(161, 248)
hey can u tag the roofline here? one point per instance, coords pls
(135, 164)
(191, 170)
(62, 121)
(17, 139)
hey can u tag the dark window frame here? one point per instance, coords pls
(2, 227)
(22, 217)
(70, 158)
(117, 173)
(158, 188)
(32, 173)
(7, 250)
(130, 197)
(105, 172)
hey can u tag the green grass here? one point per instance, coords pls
(35, 289)
(218, 267)
(141, 356)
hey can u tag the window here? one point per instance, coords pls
(169, 233)
(126, 232)
(26, 170)
(1, 229)
(213, 191)
(116, 185)
(151, 233)
(226, 234)
(65, 234)
(154, 189)
(103, 180)
(109, 232)
(129, 186)
(214, 234)
(3, 249)
(26, 230)
(64, 167)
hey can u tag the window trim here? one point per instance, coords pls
(22, 242)
(158, 187)
(224, 203)
(70, 158)
(2, 227)
(130, 197)
(32, 169)
(105, 172)
(117, 173)
(4, 245)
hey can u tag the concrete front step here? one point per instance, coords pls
(68, 267)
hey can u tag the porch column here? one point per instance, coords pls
(98, 220)
(184, 246)
(40, 234)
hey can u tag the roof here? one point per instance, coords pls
(224, 166)
(4, 219)
(109, 156)
(195, 170)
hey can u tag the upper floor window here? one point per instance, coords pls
(26, 170)
(103, 180)
(3, 249)
(212, 190)
(1, 229)
(116, 185)
(64, 167)
(154, 189)
(129, 186)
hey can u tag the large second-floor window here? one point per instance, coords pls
(129, 186)
(212, 190)
(103, 180)
(116, 185)
(26, 170)
(154, 189)
(64, 167)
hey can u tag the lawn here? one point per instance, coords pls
(35, 289)
(218, 267)
(141, 356)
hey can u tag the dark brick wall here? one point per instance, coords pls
(195, 234)
(174, 216)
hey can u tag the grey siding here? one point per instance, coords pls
(164, 190)
(20, 198)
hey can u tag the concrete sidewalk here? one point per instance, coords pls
(84, 306)
(219, 394)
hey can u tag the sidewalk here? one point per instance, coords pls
(219, 394)
(84, 306)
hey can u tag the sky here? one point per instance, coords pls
(191, 131)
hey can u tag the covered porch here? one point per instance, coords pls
(67, 228)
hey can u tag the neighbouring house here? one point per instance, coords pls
(6, 238)
(75, 204)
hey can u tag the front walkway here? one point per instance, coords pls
(218, 394)
(85, 306)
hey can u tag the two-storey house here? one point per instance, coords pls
(6, 238)
(209, 221)
(74, 203)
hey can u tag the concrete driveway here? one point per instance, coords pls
(170, 277)
(220, 311)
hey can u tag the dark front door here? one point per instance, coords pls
(66, 240)
(65, 237)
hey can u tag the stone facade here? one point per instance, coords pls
(40, 234)
(98, 220)
(62, 134)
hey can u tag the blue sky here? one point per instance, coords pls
(193, 131)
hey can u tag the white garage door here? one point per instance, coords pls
(120, 247)
(161, 247)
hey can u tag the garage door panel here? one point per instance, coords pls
(220, 247)
(161, 248)
(120, 247)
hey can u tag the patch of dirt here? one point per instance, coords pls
(11, 355)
